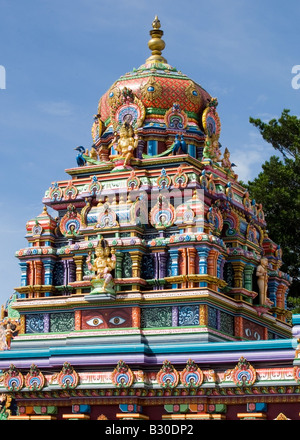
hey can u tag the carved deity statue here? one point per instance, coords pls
(227, 164)
(126, 144)
(212, 149)
(103, 265)
(262, 281)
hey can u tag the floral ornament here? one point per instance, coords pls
(244, 374)
(128, 109)
(180, 179)
(71, 222)
(34, 380)
(68, 378)
(122, 376)
(70, 191)
(55, 192)
(192, 93)
(175, 118)
(191, 376)
(167, 377)
(95, 186)
(164, 181)
(133, 182)
(151, 89)
(113, 96)
(162, 215)
(296, 373)
(13, 379)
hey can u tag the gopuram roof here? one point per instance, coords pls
(154, 292)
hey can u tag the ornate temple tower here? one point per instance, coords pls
(155, 244)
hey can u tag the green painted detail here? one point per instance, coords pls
(156, 317)
(11, 312)
(217, 409)
(62, 322)
(164, 153)
(41, 410)
(182, 408)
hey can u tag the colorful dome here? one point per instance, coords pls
(155, 93)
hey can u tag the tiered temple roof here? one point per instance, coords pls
(156, 282)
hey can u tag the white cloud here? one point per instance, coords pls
(56, 108)
(250, 157)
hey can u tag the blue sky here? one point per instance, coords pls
(61, 56)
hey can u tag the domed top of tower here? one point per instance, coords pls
(155, 94)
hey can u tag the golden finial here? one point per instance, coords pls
(156, 44)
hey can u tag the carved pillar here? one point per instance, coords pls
(77, 320)
(69, 271)
(140, 149)
(22, 324)
(155, 265)
(183, 265)
(203, 315)
(203, 254)
(119, 260)
(174, 316)
(174, 254)
(162, 265)
(136, 258)
(78, 260)
(212, 266)
(280, 300)
(248, 273)
(49, 265)
(30, 273)
(23, 266)
(48, 276)
(272, 288)
(174, 261)
(46, 320)
(118, 268)
(212, 262)
(136, 317)
(38, 269)
(220, 266)
(238, 267)
(192, 253)
(103, 154)
(238, 327)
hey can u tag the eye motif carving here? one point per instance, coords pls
(94, 322)
(114, 320)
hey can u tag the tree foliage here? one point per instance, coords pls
(277, 187)
(283, 134)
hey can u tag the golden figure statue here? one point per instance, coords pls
(262, 281)
(8, 335)
(104, 264)
(126, 144)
